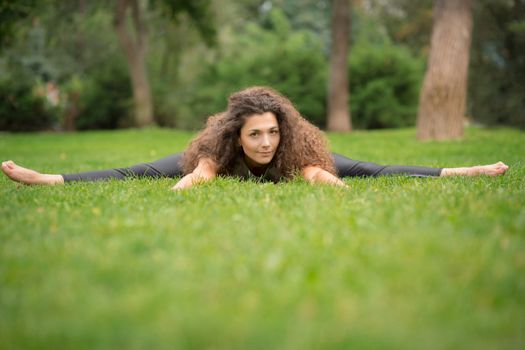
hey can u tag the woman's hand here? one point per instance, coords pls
(205, 171)
(187, 181)
(314, 174)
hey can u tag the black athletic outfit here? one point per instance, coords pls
(170, 167)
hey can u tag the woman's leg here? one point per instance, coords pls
(165, 167)
(349, 167)
(495, 169)
(28, 176)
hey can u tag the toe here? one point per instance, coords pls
(502, 170)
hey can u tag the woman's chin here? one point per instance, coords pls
(260, 161)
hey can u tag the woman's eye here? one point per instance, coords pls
(274, 132)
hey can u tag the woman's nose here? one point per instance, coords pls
(265, 141)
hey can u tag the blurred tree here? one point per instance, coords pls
(74, 86)
(135, 45)
(198, 11)
(272, 54)
(11, 13)
(305, 15)
(444, 92)
(105, 95)
(338, 110)
(497, 75)
(21, 109)
(407, 22)
(179, 48)
(497, 59)
(27, 102)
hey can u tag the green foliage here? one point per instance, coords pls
(198, 10)
(23, 75)
(11, 12)
(390, 263)
(407, 22)
(21, 109)
(384, 86)
(105, 98)
(497, 72)
(497, 58)
(291, 62)
(164, 105)
(283, 44)
(88, 66)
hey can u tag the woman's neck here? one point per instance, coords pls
(255, 168)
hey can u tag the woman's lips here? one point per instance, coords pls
(266, 153)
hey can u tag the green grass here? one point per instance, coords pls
(393, 262)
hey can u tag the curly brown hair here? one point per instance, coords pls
(301, 143)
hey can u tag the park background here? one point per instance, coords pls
(78, 65)
(391, 262)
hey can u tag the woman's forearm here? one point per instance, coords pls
(205, 171)
(315, 174)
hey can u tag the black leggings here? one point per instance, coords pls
(170, 167)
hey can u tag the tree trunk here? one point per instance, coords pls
(338, 109)
(443, 95)
(135, 50)
(71, 113)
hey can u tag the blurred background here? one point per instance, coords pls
(79, 64)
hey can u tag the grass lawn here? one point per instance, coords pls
(392, 262)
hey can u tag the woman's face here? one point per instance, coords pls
(259, 138)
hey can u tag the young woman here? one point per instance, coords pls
(262, 136)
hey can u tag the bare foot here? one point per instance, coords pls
(495, 169)
(28, 176)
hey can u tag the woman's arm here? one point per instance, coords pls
(205, 171)
(316, 174)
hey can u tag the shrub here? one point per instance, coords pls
(23, 110)
(290, 62)
(384, 86)
(105, 98)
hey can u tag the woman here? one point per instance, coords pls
(262, 136)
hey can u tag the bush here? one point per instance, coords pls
(22, 110)
(165, 104)
(105, 98)
(290, 62)
(384, 86)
